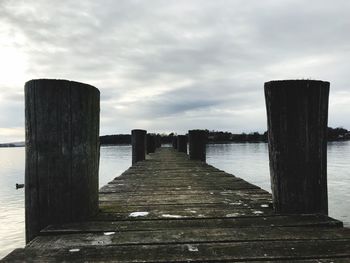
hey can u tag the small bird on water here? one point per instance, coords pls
(18, 186)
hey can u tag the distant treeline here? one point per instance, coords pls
(10, 145)
(338, 134)
(334, 134)
(126, 138)
(115, 139)
(219, 136)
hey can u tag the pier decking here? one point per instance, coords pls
(171, 209)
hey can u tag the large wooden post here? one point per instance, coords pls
(148, 143)
(175, 142)
(158, 141)
(62, 153)
(182, 143)
(197, 144)
(297, 113)
(138, 141)
(151, 143)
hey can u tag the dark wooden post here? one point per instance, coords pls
(148, 143)
(158, 141)
(151, 143)
(175, 142)
(182, 143)
(138, 141)
(62, 153)
(197, 144)
(297, 113)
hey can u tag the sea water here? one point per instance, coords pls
(246, 160)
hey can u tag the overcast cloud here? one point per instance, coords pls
(174, 65)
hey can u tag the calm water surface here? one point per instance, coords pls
(114, 160)
(250, 161)
(247, 160)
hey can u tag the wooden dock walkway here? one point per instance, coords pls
(171, 209)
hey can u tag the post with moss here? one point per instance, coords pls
(182, 143)
(138, 142)
(197, 144)
(62, 153)
(297, 113)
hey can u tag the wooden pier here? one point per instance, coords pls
(169, 208)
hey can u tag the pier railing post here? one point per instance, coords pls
(175, 142)
(62, 153)
(182, 143)
(138, 142)
(297, 113)
(197, 144)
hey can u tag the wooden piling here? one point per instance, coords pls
(197, 144)
(62, 153)
(148, 143)
(151, 143)
(175, 142)
(158, 141)
(297, 113)
(138, 141)
(182, 143)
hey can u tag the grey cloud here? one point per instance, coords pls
(197, 62)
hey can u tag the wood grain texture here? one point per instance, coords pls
(192, 252)
(297, 112)
(62, 152)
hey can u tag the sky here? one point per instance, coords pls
(171, 66)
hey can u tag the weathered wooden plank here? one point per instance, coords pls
(136, 190)
(222, 187)
(194, 252)
(185, 213)
(170, 209)
(162, 224)
(193, 235)
(184, 199)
